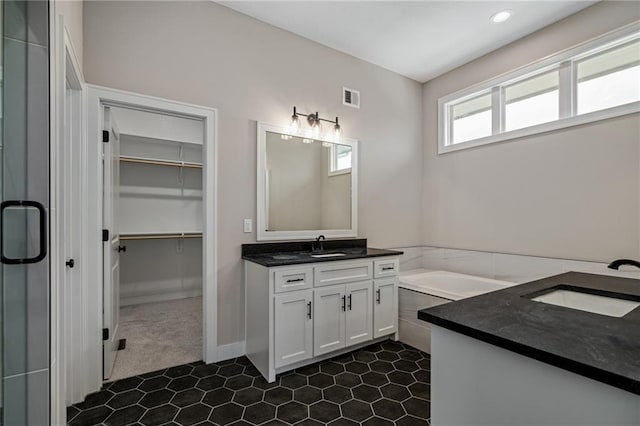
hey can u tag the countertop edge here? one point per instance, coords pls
(591, 372)
(272, 264)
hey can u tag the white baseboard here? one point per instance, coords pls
(231, 350)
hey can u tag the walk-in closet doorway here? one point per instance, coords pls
(154, 205)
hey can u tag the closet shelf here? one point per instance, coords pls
(161, 236)
(170, 163)
(156, 140)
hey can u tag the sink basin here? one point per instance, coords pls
(603, 305)
(285, 256)
(328, 255)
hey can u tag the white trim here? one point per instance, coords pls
(231, 350)
(590, 47)
(65, 70)
(99, 96)
(262, 234)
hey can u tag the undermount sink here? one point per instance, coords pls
(603, 305)
(328, 255)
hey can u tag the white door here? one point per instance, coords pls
(385, 307)
(293, 327)
(359, 315)
(329, 306)
(112, 248)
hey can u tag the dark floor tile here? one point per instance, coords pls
(205, 370)
(377, 421)
(332, 368)
(375, 348)
(387, 356)
(356, 367)
(152, 374)
(125, 384)
(348, 380)
(156, 398)
(159, 415)
(343, 359)
(95, 399)
(410, 355)
(251, 371)
(309, 422)
(417, 407)
(279, 395)
(321, 380)
(209, 383)
(388, 409)
(182, 383)
(248, 396)
(395, 392)
(243, 360)
(324, 411)
(308, 370)
(230, 370)
(337, 394)
(364, 356)
(187, 397)
(92, 416)
(125, 399)
(374, 379)
(404, 365)
(423, 376)
(195, 414)
(154, 383)
(227, 413)
(424, 364)
(293, 381)
(238, 382)
(421, 390)
(72, 412)
(392, 346)
(179, 371)
(381, 366)
(259, 413)
(366, 393)
(125, 416)
(217, 397)
(342, 421)
(261, 383)
(292, 412)
(307, 395)
(401, 378)
(411, 421)
(356, 410)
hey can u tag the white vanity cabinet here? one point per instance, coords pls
(300, 314)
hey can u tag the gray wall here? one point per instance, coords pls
(72, 12)
(207, 54)
(572, 193)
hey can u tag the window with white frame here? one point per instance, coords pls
(597, 80)
(339, 159)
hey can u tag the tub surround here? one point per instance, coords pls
(299, 252)
(599, 347)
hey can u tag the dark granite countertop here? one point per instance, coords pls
(603, 348)
(298, 252)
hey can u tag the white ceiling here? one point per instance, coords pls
(418, 39)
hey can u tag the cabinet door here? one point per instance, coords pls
(293, 340)
(359, 314)
(385, 307)
(329, 305)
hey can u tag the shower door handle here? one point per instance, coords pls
(42, 216)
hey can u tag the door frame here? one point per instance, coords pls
(65, 307)
(97, 97)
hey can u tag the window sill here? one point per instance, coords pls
(577, 120)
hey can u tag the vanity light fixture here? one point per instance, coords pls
(314, 120)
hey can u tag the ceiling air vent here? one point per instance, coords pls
(350, 97)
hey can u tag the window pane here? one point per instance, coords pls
(341, 157)
(609, 79)
(533, 101)
(471, 119)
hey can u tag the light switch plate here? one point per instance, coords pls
(247, 225)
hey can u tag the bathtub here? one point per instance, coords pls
(422, 288)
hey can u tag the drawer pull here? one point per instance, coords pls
(296, 280)
(388, 268)
(344, 303)
(309, 310)
(350, 302)
(378, 296)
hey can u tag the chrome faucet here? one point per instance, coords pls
(618, 263)
(317, 244)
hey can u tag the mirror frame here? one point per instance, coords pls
(262, 233)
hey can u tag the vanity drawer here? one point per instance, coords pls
(342, 272)
(386, 268)
(292, 279)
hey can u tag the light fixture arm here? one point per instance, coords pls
(313, 117)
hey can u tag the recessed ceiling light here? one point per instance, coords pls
(501, 16)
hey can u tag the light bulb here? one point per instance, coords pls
(501, 16)
(337, 131)
(295, 123)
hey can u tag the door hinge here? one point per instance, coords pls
(105, 235)
(105, 136)
(105, 334)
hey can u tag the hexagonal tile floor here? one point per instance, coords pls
(383, 384)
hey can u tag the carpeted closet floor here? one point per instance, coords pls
(159, 335)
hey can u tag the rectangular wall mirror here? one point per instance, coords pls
(306, 186)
